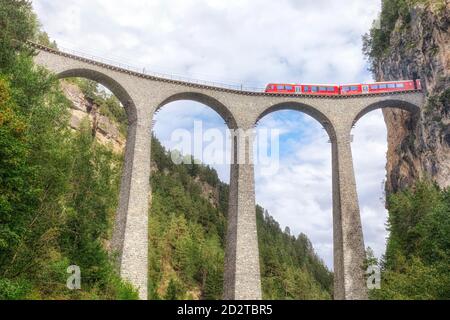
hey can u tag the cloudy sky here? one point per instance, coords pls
(250, 42)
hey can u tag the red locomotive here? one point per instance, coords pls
(344, 90)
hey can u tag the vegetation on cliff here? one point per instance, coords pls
(415, 265)
(408, 42)
(411, 41)
(108, 105)
(394, 13)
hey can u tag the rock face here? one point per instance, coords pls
(419, 147)
(104, 129)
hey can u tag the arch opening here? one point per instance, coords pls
(206, 100)
(111, 84)
(387, 104)
(370, 152)
(190, 198)
(93, 150)
(297, 191)
(303, 108)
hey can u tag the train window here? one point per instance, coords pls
(391, 85)
(314, 89)
(400, 85)
(354, 88)
(374, 87)
(330, 89)
(298, 89)
(383, 86)
(345, 89)
(280, 87)
(289, 88)
(322, 89)
(305, 88)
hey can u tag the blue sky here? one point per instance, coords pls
(250, 42)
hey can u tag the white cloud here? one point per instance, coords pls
(254, 43)
(304, 40)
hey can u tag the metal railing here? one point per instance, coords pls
(91, 58)
(149, 73)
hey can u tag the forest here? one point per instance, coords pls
(416, 263)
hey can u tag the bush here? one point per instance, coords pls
(13, 290)
(418, 250)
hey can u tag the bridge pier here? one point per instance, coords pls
(349, 250)
(242, 280)
(130, 236)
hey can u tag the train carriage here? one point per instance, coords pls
(344, 90)
(380, 87)
(311, 89)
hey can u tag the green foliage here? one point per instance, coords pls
(108, 105)
(416, 281)
(186, 233)
(376, 43)
(416, 262)
(16, 26)
(290, 269)
(13, 290)
(187, 239)
(58, 191)
(14, 173)
(173, 290)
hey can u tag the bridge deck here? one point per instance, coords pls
(201, 84)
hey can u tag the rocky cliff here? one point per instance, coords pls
(418, 47)
(105, 130)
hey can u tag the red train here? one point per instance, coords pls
(344, 90)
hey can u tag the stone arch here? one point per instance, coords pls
(206, 100)
(131, 191)
(304, 108)
(229, 272)
(326, 123)
(388, 103)
(370, 228)
(113, 85)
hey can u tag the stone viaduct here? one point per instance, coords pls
(142, 95)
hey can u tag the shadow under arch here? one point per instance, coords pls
(389, 103)
(113, 85)
(304, 108)
(206, 100)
